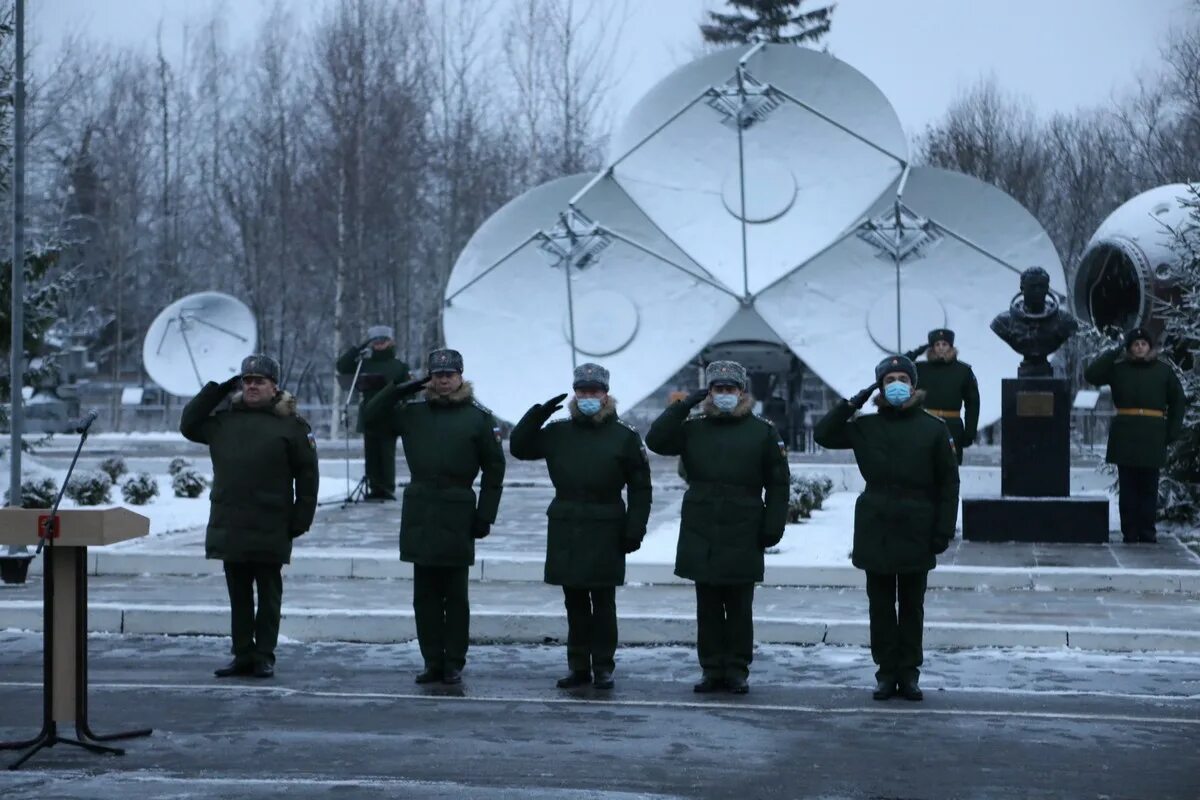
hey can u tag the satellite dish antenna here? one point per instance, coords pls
(556, 285)
(754, 158)
(939, 249)
(199, 338)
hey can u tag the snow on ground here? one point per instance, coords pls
(167, 512)
(823, 540)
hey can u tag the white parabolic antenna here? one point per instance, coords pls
(541, 279)
(752, 159)
(199, 338)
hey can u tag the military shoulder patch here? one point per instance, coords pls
(312, 440)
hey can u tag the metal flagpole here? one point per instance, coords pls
(17, 342)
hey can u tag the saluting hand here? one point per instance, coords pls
(916, 352)
(412, 387)
(862, 397)
(695, 398)
(552, 405)
(230, 385)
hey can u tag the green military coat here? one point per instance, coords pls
(950, 385)
(590, 459)
(1139, 441)
(448, 441)
(731, 459)
(909, 510)
(265, 478)
(382, 363)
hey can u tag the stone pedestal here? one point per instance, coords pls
(1035, 473)
(1035, 437)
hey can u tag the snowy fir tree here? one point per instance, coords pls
(777, 21)
(1179, 488)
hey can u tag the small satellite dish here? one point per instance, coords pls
(199, 338)
(1126, 268)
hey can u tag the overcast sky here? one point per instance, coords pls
(1060, 54)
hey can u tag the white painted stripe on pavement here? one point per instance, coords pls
(285, 691)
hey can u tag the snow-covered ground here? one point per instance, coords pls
(167, 512)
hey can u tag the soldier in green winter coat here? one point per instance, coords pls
(1150, 405)
(379, 368)
(264, 495)
(732, 458)
(949, 386)
(904, 518)
(591, 457)
(448, 439)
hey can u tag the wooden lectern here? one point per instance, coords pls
(68, 535)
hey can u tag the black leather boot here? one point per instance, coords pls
(430, 675)
(909, 690)
(709, 684)
(235, 667)
(604, 680)
(737, 684)
(574, 679)
(264, 670)
(885, 689)
(452, 677)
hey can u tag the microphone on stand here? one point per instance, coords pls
(86, 421)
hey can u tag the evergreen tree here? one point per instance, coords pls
(1179, 488)
(777, 21)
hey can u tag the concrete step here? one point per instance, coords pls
(342, 609)
(376, 564)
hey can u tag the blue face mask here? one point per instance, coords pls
(897, 393)
(589, 406)
(726, 402)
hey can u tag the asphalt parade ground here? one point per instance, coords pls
(346, 720)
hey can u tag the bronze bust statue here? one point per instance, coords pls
(1034, 325)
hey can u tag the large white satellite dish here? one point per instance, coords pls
(961, 244)
(199, 338)
(753, 159)
(542, 286)
(1126, 267)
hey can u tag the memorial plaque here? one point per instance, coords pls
(1035, 404)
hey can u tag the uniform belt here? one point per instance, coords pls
(727, 488)
(1141, 412)
(585, 496)
(896, 490)
(442, 483)
(937, 412)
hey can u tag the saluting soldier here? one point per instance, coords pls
(735, 507)
(1150, 405)
(904, 518)
(950, 388)
(379, 368)
(264, 495)
(449, 438)
(591, 457)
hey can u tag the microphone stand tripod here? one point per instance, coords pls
(359, 493)
(49, 736)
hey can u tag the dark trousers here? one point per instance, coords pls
(725, 629)
(1138, 502)
(443, 615)
(591, 628)
(254, 633)
(379, 460)
(896, 638)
